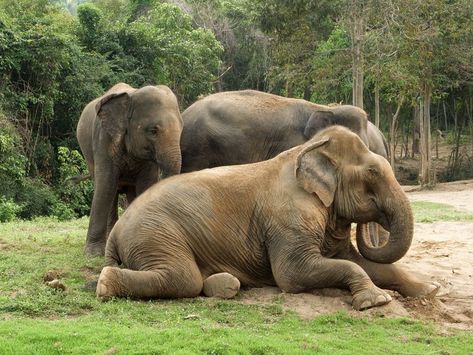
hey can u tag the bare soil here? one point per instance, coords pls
(441, 252)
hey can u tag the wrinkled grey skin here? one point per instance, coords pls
(376, 141)
(240, 127)
(284, 221)
(128, 138)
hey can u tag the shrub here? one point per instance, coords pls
(8, 209)
(36, 198)
(12, 161)
(76, 197)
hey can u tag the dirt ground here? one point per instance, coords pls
(441, 252)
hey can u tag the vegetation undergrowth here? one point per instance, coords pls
(429, 212)
(38, 319)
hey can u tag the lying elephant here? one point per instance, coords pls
(128, 137)
(284, 221)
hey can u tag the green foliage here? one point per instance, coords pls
(429, 212)
(330, 62)
(75, 199)
(8, 209)
(12, 161)
(36, 199)
(39, 319)
(172, 51)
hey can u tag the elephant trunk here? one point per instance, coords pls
(171, 162)
(400, 223)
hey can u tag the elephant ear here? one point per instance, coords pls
(113, 111)
(318, 120)
(316, 172)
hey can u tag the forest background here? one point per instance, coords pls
(409, 64)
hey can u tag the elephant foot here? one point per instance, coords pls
(370, 297)
(222, 285)
(104, 289)
(420, 290)
(94, 249)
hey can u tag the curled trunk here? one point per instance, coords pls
(401, 227)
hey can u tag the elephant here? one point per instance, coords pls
(129, 138)
(239, 127)
(377, 141)
(284, 221)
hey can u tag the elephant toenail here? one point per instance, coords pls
(383, 299)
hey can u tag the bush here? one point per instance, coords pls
(8, 209)
(62, 211)
(76, 197)
(36, 198)
(12, 161)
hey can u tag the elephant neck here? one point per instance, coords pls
(337, 234)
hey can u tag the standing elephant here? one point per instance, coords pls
(128, 138)
(284, 221)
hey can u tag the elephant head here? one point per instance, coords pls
(146, 123)
(352, 117)
(359, 186)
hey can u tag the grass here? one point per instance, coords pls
(429, 212)
(37, 319)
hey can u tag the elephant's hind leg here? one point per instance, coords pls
(178, 282)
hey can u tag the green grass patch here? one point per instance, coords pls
(429, 212)
(37, 319)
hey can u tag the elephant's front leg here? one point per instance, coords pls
(113, 215)
(298, 268)
(105, 191)
(393, 277)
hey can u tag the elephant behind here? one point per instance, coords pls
(284, 221)
(128, 138)
(240, 127)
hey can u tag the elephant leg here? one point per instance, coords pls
(295, 273)
(173, 281)
(393, 277)
(105, 190)
(113, 215)
(221, 285)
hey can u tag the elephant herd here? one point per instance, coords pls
(269, 189)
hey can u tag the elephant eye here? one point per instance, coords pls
(154, 130)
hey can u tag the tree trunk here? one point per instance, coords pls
(392, 132)
(376, 105)
(357, 39)
(469, 109)
(416, 131)
(425, 175)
